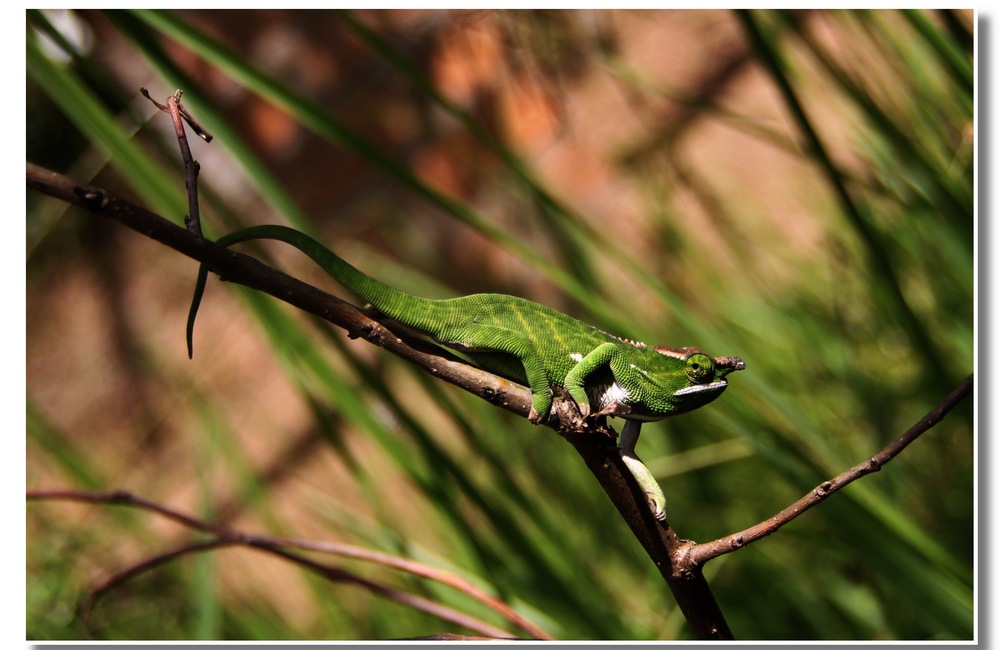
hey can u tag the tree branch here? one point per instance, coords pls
(697, 555)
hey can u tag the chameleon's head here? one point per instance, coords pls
(704, 376)
(686, 379)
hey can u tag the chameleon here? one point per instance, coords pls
(536, 346)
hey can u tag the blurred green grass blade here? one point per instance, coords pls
(946, 102)
(467, 420)
(945, 596)
(887, 513)
(303, 358)
(936, 372)
(203, 582)
(331, 428)
(631, 78)
(91, 74)
(906, 137)
(157, 187)
(207, 620)
(700, 458)
(951, 55)
(219, 447)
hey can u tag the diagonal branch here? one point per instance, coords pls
(420, 603)
(698, 554)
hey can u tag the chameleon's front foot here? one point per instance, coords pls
(534, 416)
(542, 408)
(654, 495)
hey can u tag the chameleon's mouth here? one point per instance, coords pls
(715, 385)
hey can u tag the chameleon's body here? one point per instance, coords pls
(538, 347)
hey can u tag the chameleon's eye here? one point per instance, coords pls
(700, 368)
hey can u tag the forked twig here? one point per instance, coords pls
(179, 115)
(195, 126)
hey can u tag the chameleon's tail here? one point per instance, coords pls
(394, 303)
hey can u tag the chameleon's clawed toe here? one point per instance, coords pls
(658, 505)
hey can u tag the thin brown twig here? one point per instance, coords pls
(424, 571)
(124, 498)
(150, 563)
(195, 126)
(697, 555)
(225, 536)
(417, 602)
(178, 115)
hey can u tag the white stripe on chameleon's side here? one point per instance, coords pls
(697, 389)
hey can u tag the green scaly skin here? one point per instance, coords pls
(536, 346)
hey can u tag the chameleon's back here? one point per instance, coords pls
(529, 343)
(487, 326)
(494, 330)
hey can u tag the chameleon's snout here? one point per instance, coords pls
(727, 365)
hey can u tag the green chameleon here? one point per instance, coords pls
(538, 347)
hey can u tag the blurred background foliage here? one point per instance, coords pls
(792, 187)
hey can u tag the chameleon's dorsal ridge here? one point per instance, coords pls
(633, 343)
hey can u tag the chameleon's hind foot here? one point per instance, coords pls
(626, 446)
(654, 495)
